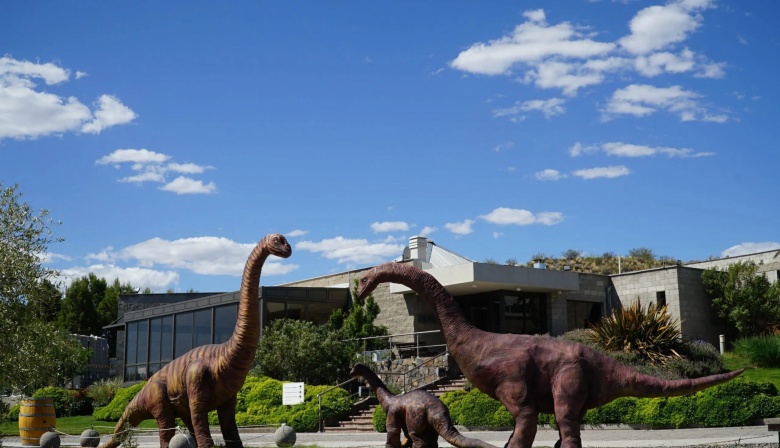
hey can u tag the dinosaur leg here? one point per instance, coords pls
(516, 400)
(200, 387)
(227, 421)
(569, 394)
(394, 425)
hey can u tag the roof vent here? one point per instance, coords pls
(539, 264)
(418, 248)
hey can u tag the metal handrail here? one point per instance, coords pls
(319, 401)
(390, 337)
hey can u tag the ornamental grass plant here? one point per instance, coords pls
(761, 351)
(650, 332)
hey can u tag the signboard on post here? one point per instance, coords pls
(292, 393)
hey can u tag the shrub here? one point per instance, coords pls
(4, 410)
(379, 419)
(103, 391)
(650, 332)
(116, 407)
(67, 402)
(259, 402)
(581, 335)
(761, 351)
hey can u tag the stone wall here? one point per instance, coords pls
(768, 263)
(405, 374)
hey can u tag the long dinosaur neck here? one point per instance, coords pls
(383, 394)
(456, 329)
(241, 347)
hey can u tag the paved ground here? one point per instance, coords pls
(751, 436)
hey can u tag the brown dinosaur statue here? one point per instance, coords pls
(530, 374)
(208, 377)
(419, 414)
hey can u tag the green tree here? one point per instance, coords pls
(358, 322)
(747, 300)
(24, 238)
(642, 253)
(90, 304)
(34, 352)
(45, 302)
(296, 350)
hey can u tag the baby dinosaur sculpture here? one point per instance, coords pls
(419, 414)
(208, 377)
(530, 374)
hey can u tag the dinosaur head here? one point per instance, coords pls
(277, 245)
(356, 370)
(368, 282)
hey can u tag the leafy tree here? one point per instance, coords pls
(746, 299)
(572, 254)
(358, 322)
(34, 352)
(296, 350)
(642, 253)
(44, 303)
(90, 304)
(24, 237)
(511, 262)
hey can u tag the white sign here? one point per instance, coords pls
(292, 393)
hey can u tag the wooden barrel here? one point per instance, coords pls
(36, 416)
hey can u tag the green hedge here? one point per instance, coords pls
(114, 410)
(380, 419)
(67, 402)
(259, 402)
(737, 403)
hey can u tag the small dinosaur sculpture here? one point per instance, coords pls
(208, 377)
(530, 374)
(419, 414)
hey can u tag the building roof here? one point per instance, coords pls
(437, 256)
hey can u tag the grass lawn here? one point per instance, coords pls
(74, 425)
(732, 361)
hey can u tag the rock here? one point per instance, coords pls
(183, 440)
(49, 439)
(284, 436)
(89, 438)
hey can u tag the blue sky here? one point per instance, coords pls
(168, 137)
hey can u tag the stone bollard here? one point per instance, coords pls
(89, 438)
(183, 440)
(284, 436)
(49, 439)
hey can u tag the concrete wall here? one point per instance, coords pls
(768, 262)
(685, 297)
(592, 289)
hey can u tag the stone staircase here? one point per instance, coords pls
(361, 418)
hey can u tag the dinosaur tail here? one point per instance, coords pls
(449, 433)
(646, 386)
(132, 416)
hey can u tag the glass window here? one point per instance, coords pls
(224, 322)
(132, 343)
(154, 339)
(582, 314)
(295, 310)
(154, 368)
(319, 312)
(202, 321)
(273, 311)
(183, 334)
(130, 373)
(143, 342)
(166, 338)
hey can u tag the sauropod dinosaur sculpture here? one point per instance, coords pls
(208, 377)
(530, 374)
(419, 414)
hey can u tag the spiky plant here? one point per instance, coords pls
(648, 331)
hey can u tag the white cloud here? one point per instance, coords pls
(530, 42)
(389, 226)
(656, 27)
(551, 107)
(749, 248)
(629, 150)
(549, 174)
(141, 156)
(569, 77)
(460, 228)
(110, 112)
(296, 232)
(49, 257)
(346, 250)
(203, 255)
(521, 217)
(497, 235)
(28, 113)
(663, 62)
(606, 171)
(578, 149)
(153, 166)
(427, 230)
(641, 99)
(138, 277)
(188, 185)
